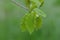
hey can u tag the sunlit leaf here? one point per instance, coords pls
(28, 22)
(31, 22)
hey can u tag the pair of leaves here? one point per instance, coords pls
(31, 22)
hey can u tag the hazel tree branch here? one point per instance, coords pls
(20, 5)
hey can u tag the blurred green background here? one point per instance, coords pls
(10, 16)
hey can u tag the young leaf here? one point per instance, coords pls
(28, 22)
(31, 22)
(40, 12)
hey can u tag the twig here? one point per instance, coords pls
(20, 5)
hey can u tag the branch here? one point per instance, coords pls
(20, 5)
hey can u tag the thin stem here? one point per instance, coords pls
(20, 5)
(30, 37)
(25, 35)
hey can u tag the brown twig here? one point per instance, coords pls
(20, 5)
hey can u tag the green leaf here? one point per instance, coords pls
(31, 22)
(23, 24)
(38, 22)
(37, 3)
(40, 12)
(32, 6)
(28, 22)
